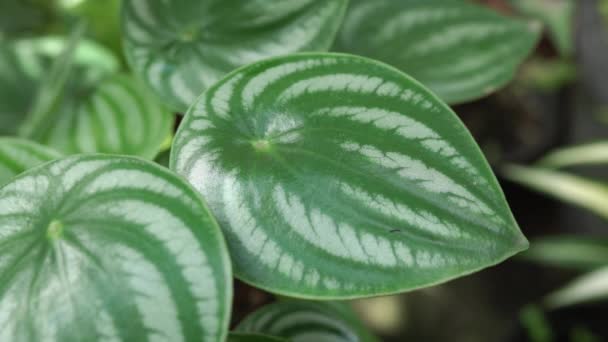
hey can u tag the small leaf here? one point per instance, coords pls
(180, 48)
(103, 247)
(587, 154)
(583, 253)
(589, 287)
(238, 337)
(557, 15)
(302, 321)
(19, 155)
(335, 176)
(24, 63)
(576, 190)
(459, 50)
(118, 116)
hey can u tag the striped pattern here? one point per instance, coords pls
(301, 321)
(102, 248)
(180, 48)
(459, 50)
(24, 63)
(19, 155)
(335, 176)
(119, 116)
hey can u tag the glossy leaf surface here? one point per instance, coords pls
(459, 50)
(25, 62)
(336, 176)
(182, 47)
(301, 321)
(19, 155)
(100, 247)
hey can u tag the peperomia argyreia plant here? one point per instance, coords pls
(313, 175)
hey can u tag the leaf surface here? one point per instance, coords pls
(180, 48)
(302, 321)
(335, 176)
(19, 155)
(459, 50)
(99, 247)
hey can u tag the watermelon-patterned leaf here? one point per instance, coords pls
(302, 321)
(461, 51)
(24, 63)
(99, 247)
(335, 176)
(180, 48)
(240, 337)
(18, 155)
(118, 116)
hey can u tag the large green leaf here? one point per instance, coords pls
(24, 63)
(182, 47)
(336, 176)
(303, 322)
(459, 50)
(99, 247)
(119, 116)
(18, 155)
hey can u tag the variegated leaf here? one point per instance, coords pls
(461, 51)
(335, 176)
(98, 247)
(182, 47)
(19, 155)
(303, 322)
(24, 63)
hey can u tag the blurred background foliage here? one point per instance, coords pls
(546, 134)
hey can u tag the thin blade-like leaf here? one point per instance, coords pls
(589, 287)
(587, 154)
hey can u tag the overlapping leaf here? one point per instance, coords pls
(239, 337)
(24, 63)
(459, 50)
(109, 248)
(337, 176)
(302, 321)
(182, 47)
(19, 155)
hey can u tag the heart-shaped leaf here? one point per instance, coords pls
(24, 63)
(302, 321)
(182, 47)
(18, 155)
(99, 247)
(118, 116)
(336, 176)
(459, 50)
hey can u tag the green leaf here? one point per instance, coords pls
(459, 50)
(586, 154)
(302, 321)
(335, 176)
(182, 47)
(18, 155)
(576, 190)
(589, 287)
(582, 253)
(118, 116)
(557, 15)
(238, 337)
(104, 247)
(24, 63)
